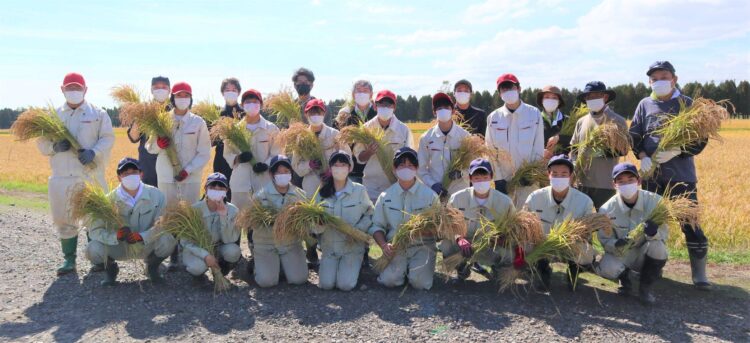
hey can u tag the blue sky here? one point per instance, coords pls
(409, 47)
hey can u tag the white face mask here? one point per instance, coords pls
(595, 105)
(231, 97)
(282, 180)
(160, 95)
(251, 108)
(73, 97)
(510, 97)
(362, 98)
(462, 97)
(559, 184)
(628, 191)
(662, 87)
(385, 113)
(482, 187)
(406, 174)
(550, 105)
(182, 103)
(131, 182)
(444, 114)
(316, 119)
(340, 173)
(215, 194)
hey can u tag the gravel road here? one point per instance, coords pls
(35, 305)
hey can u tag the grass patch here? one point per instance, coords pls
(23, 186)
(29, 203)
(715, 256)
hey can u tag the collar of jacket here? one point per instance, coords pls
(452, 132)
(566, 201)
(144, 195)
(412, 190)
(473, 199)
(261, 124)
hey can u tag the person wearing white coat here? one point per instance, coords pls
(436, 148)
(190, 139)
(517, 129)
(92, 128)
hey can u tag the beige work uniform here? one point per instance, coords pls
(223, 234)
(434, 154)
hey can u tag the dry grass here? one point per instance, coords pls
(722, 170)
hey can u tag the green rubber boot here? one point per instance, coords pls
(69, 246)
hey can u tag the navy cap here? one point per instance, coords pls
(480, 163)
(561, 159)
(128, 161)
(660, 65)
(405, 151)
(156, 79)
(280, 159)
(217, 177)
(596, 86)
(340, 153)
(624, 167)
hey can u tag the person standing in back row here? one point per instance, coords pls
(230, 90)
(160, 91)
(474, 116)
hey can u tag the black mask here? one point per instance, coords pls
(303, 88)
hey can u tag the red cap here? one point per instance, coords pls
(315, 103)
(507, 78)
(74, 78)
(252, 92)
(182, 87)
(439, 96)
(385, 94)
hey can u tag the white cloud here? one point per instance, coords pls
(494, 10)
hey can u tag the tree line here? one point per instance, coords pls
(419, 109)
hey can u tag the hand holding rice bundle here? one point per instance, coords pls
(605, 140)
(235, 133)
(366, 136)
(673, 211)
(471, 148)
(300, 141)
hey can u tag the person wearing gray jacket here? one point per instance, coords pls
(139, 205)
(218, 219)
(627, 210)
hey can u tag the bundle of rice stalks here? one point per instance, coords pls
(296, 220)
(90, 203)
(284, 106)
(562, 241)
(471, 148)
(606, 139)
(255, 216)
(438, 221)
(361, 134)
(534, 172)
(37, 122)
(125, 94)
(207, 110)
(673, 211)
(185, 222)
(692, 124)
(299, 140)
(234, 132)
(569, 126)
(132, 109)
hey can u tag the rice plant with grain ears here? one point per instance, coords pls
(361, 134)
(470, 148)
(284, 106)
(37, 122)
(607, 139)
(437, 221)
(207, 110)
(298, 220)
(90, 204)
(235, 133)
(569, 126)
(256, 216)
(300, 140)
(185, 222)
(534, 172)
(692, 125)
(670, 210)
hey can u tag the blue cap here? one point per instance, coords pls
(660, 65)
(624, 167)
(340, 153)
(217, 177)
(561, 159)
(480, 163)
(280, 159)
(128, 161)
(596, 86)
(405, 151)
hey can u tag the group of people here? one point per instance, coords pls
(351, 183)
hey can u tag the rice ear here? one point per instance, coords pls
(284, 106)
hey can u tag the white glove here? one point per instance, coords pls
(662, 157)
(646, 164)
